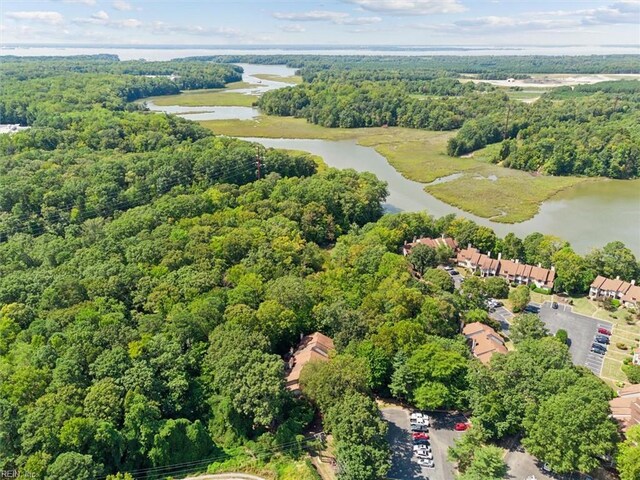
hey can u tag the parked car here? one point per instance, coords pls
(420, 436)
(453, 272)
(554, 305)
(532, 309)
(604, 331)
(498, 303)
(598, 348)
(419, 428)
(415, 415)
(424, 454)
(420, 422)
(448, 268)
(421, 447)
(603, 339)
(425, 462)
(420, 441)
(461, 426)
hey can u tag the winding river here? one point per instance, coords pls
(588, 215)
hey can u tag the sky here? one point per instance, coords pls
(321, 22)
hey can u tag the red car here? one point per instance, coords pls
(461, 427)
(604, 331)
(420, 436)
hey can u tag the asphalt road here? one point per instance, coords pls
(581, 330)
(441, 435)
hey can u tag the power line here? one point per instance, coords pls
(176, 468)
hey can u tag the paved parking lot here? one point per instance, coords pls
(441, 437)
(503, 316)
(581, 330)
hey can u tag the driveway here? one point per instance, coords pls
(441, 435)
(581, 330)
(522, 465)
(503, 316)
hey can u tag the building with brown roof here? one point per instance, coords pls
(312, 348)
(430, 242)
(515, 272)
(471, 259)
(627, 292)
(625, 408)
(483, 340)
(632, 297)
(511, 270)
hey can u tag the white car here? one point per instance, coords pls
(425, 462)
(417, 448)
(416, 415)
(421, 421)
(424, 454)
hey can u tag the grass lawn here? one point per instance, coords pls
(293, 80)
(484, 189)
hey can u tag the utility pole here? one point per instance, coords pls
(258, 162)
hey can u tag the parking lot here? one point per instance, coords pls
(503, 316)
(441, 437)
(581, 330)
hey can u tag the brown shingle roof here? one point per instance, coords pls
(626, 410)
(597, 283)
(485, 341)
(314, 347)
(615, 285)
(632, 295)
(508, 267)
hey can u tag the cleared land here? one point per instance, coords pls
(293, 80)
(484, 189)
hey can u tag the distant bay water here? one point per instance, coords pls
(167, 52)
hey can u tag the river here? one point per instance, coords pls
(588, 215)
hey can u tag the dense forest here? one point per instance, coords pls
(150, 284)
(486, 66)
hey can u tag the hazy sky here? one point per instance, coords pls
(351, 22)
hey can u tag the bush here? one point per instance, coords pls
(543, 291)
(610, 304)
(632, 372)
(562, 336)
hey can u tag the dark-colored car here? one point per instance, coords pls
(599, 349)
(420, 441)
(603, 339)
(604, 331)
(453, 272)
(532, 309)
(554, 305)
